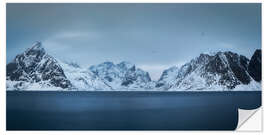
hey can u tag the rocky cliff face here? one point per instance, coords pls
(34, 69)
(255, 66)
(37, 67)
(221, 71)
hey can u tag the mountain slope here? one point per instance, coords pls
(221, 71)
(124, 75)
(34, 69)
(255, 66)
(83, 79)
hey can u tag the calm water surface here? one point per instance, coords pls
(127, 110)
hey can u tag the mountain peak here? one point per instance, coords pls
(210, 53)
(255, 66)
(125, 64)
(106, 65)
(35, 68)
(36, 49)
(216, 53)
(37, 46)
(224, 70)
(258, 52)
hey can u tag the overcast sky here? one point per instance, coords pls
(152, 36)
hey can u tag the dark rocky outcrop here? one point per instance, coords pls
(35, 65)
(255, 66)
(225, 69)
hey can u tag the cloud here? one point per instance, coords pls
(69, 41)
(73, 34)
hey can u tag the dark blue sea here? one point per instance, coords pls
(80, 110)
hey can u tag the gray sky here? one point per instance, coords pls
(152, 36)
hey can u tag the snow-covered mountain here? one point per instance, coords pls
(82, 78)
(220, 71)
(34, 69)
(124, 75)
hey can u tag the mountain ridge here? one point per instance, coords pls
(221, 70)
(37, 67)
(34, 69)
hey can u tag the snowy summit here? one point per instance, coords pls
(34, 69)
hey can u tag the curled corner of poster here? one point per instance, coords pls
(249, 120)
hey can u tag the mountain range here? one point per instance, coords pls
(35, 69)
